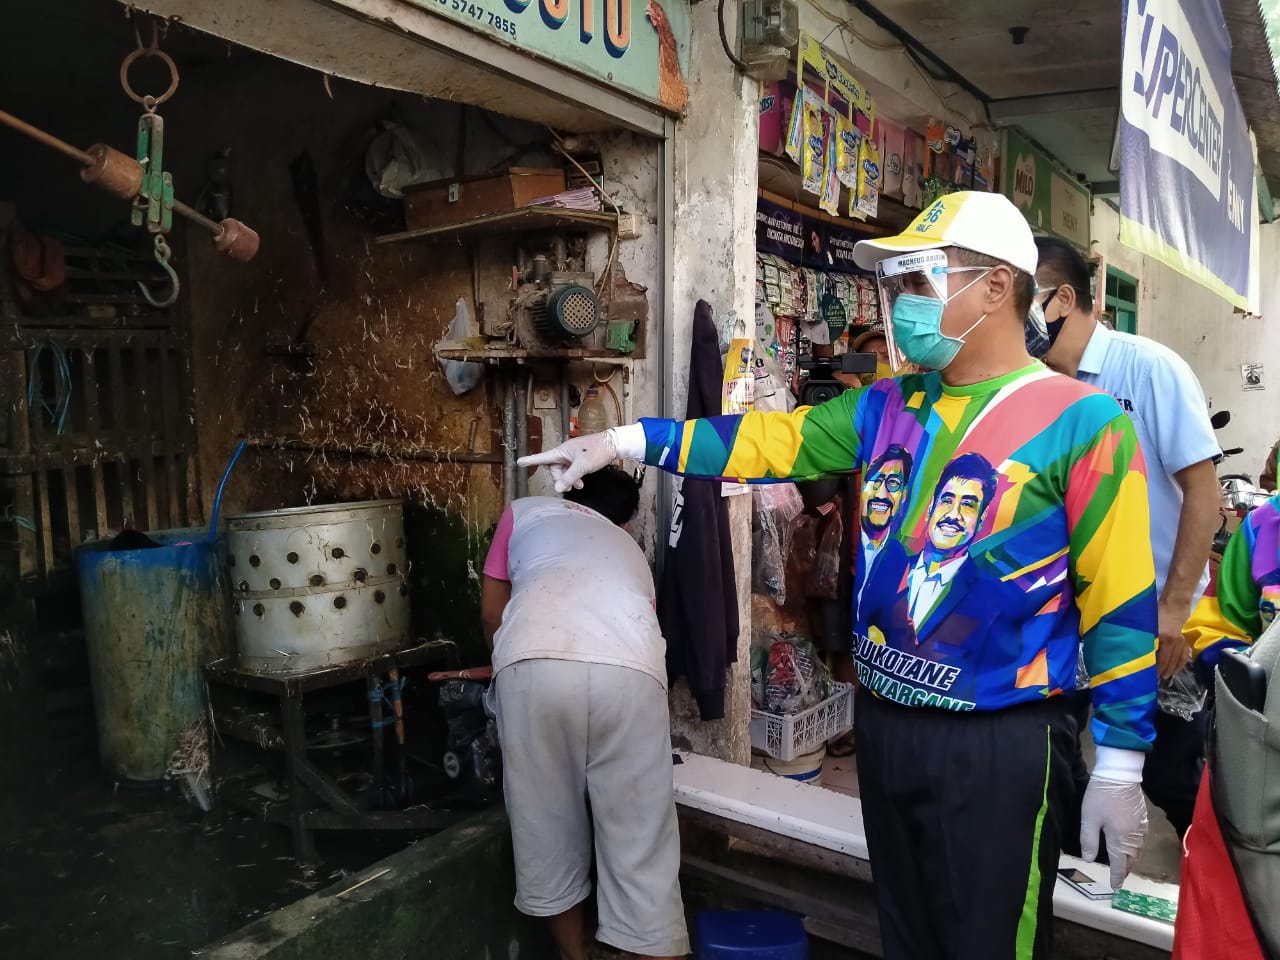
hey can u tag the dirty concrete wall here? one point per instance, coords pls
(371, 317)
(1210, 336)
(713, 259)
(448, 895)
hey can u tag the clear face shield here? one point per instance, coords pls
(922, 274)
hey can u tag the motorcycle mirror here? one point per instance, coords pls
(1220, 419)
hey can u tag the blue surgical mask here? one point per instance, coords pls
(917, 329)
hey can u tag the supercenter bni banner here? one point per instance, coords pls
(1186, 160)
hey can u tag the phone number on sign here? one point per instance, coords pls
(481, 15)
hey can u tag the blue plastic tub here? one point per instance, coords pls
(750, 935)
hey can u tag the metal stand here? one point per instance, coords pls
(315, 800)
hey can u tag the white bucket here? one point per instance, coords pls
(806, 768)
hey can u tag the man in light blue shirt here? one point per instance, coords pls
(1162, 397)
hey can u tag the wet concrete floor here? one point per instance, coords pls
(143, 875)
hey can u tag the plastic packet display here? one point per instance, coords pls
(848, 143)
(776, 505)
(830, 199)
(795, 128)
(894, 150)
(867, 202)
(813, 145)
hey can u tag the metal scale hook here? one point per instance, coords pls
(162, 258)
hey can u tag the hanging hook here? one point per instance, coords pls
(162, 258)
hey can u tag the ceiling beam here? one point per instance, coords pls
(1011, 108)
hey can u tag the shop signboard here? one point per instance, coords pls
(1050, 199)
(808, 241)
(636, 46)
(840, 244)
(1186, 160)
(779, 231)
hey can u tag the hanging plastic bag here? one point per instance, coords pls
(395, 160)
(463, 375)
(824, 575)
(777, 505)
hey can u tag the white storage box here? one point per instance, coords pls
(789, 737)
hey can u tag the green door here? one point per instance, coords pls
(1121, 302)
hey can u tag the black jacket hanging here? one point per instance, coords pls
(698, 597)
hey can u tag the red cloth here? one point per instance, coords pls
(1212, 921)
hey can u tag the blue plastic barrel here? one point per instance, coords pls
(152, 618)
(750, 935)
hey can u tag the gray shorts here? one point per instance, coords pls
(572, 731)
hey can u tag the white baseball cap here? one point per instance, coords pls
(986, 223)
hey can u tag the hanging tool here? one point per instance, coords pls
(143, 180)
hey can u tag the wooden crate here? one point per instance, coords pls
(430, 205)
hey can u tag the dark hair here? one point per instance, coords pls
(969, 466)
(1024, 284)
(1062, 263)
(610, 492)
(895, 451)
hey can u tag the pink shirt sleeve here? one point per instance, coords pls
(495, 563)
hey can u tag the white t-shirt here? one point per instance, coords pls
(580, 590)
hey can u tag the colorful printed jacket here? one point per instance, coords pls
(1003, 524)
(1241, 602)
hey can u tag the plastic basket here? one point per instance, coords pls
(789, 736)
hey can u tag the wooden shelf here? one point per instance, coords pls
(523, 220)
(500, 353)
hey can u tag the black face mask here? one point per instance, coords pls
(1053, 327)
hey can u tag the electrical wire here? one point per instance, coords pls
(61, 404)
(846, 27)
(558, 145)
(617, 404)
(724, 40)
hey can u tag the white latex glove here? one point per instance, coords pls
(1114, 805)
(575, 458)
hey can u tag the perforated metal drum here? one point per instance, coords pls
(318, 586)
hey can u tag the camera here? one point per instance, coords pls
(822, 384)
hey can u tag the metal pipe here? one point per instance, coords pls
(87, 160)
(564, 405)
(48, 139)
(509, 441)
(341, 450)
(522, 435)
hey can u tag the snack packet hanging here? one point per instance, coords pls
(813, 147)
(830, 199)
(867, 202)
(795, 126)
(848, 143)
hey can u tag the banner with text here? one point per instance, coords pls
(641, 48)
(1051, 200)
(1186, 161)
(808, 241)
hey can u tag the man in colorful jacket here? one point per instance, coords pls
(1241, 601)
(964, 751)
